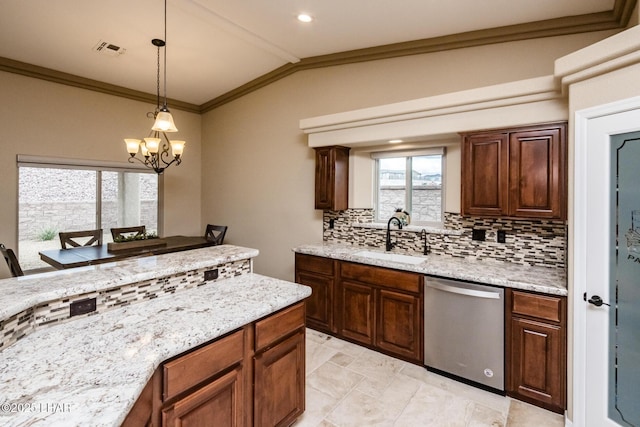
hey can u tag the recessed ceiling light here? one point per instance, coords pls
(303, 17)
(395, 141)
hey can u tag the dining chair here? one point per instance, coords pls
(215, 233)
(128, 231)
(69, 238)
(12, 261)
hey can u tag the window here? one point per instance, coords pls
(65, 195)
(411, 181)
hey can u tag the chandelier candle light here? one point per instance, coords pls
(154, 150)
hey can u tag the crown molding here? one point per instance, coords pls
(617, 18)
(29, 70)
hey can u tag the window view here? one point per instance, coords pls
(51, 200)
(412, 183)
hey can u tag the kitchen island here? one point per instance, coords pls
(89, 370)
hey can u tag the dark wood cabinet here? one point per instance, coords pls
(332, 178)
(279, 383)
(485, 174)
(254, 376)
(377, 307)
(219, 403)
(279, 368)
(536, 349)
(317, 273)
(205, 385)
(517, 173)
(382, 308)
(357, 310)
(399, 323)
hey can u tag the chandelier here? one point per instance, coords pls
(155, 150)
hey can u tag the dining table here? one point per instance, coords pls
(99, 254)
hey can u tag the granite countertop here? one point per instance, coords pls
(21, 293)
(509, 275)
(90, 371)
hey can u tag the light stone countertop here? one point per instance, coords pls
(24, 292)
(90, 371)
(509, 275)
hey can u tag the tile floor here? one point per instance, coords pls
(349, 385)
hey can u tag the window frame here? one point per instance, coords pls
(29, 161)
(409, 154)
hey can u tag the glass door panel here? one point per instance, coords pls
(624, 315)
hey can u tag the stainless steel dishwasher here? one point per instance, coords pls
(464, 331)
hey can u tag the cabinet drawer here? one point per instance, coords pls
(314, 264)
(381, 276)
(279, 325)
(545, 307)
(201, 364)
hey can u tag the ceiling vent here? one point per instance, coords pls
(105, 48)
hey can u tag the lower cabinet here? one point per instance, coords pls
(374, 306)
(252, 377)
(536, 349)
(279, 383)
(219, 403)
(399, 320)
(357, 309)
(381, 308)
(318, 273)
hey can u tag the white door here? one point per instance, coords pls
(606, 268)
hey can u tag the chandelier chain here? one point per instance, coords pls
(158, 81)
(165, 53)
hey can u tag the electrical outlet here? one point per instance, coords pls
(479, 235)
(332, 223)
(211, 274)
(502, 236)
(84, 306)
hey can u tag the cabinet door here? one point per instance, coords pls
(537, 363)
(485, 175)
(357, 312)
(332, 178)
(279, 383)
(399, 330)
(219, 403)
(319, 304)
(537, 173)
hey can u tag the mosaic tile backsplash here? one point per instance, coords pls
(528, 242)
(19, 325)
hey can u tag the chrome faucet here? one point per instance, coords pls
(390, 245)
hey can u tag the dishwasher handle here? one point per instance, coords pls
(462, 290)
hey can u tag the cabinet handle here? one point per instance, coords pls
(462, 291)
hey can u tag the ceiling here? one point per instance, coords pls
(218, 47)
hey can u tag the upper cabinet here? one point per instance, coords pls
(519, 173)
(332, 178)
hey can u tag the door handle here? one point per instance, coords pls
(595, 300)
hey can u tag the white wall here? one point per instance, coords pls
(47, 119)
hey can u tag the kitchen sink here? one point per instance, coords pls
(385, 256)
